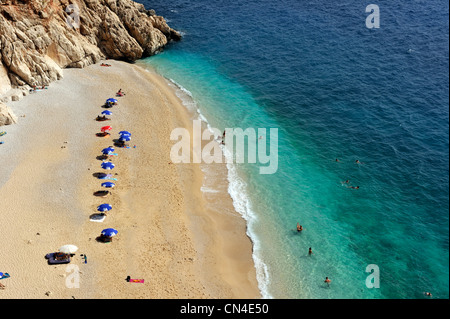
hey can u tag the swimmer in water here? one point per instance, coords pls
(299, 227)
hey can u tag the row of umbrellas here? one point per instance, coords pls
(124, 136)
(109, 232)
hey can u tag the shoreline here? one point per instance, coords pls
(169, 233)
(229, 183)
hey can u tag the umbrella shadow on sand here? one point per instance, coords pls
(118, 143)
(102, 157)
(102, 134)
(107, 105)
(102, 193)
(99, 175)
(104, 239)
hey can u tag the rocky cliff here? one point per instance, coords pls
(39, 38)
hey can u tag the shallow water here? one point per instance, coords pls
(334, 89)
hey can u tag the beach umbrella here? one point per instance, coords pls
(106, 128)
(104, 207)
(109, 232)
(107, 165)
(107, 112)
(111, 100)
(125, 133)
(108, 150)
(68, 249)
(108, 184)
(125, 138)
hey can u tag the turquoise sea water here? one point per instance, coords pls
(334, 89)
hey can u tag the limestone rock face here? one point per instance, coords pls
(39, 38)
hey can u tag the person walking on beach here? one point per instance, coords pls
(223, 138)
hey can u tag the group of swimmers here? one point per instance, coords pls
(300, 227)
(348, 181)
(310, 252)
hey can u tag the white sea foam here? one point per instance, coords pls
(238, 191)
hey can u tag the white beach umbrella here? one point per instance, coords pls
(68, 249)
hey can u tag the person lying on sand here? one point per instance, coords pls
(34, 89)
(60, 256)
(104, 64)
(102, 118)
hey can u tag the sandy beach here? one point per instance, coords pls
(183, 242)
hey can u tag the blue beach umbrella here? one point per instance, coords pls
(111, 100)
(106, 112)
(125, 133)
(107, 150)
(125, 138)
(104, 207)
(109, 232)
(107, 165)
(108, 184)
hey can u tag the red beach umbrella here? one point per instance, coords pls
(106, 128)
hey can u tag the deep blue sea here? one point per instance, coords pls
(335, 89)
